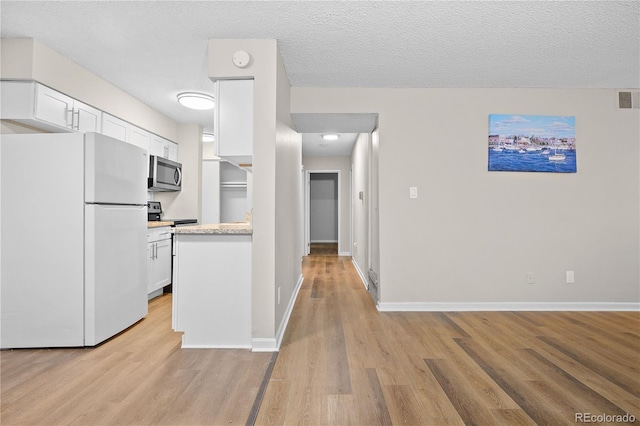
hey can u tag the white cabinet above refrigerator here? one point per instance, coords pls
(39, 106)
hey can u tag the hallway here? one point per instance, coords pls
(342, 362)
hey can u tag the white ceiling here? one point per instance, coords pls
(314, 146)
(156, 49)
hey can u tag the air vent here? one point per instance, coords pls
(628, 99)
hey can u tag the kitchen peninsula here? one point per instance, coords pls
(212, 285)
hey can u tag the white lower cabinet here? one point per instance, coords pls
(158, 259)
(212, 290)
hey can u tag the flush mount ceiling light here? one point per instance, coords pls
(331, 137)
(207, 137)
(195, 100)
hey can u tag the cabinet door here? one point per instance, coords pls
(163, 263)
(139, 137)
(53, 107)
(157, 146)
(234, 125)
(86, 118)
(151, 254)
(114, 127)
(162, 147)
(172, 151)
(159, 265)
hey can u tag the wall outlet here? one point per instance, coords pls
(531, 278)
(278, 295)
(413, 192)
(570, 277)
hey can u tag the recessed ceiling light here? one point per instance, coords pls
(331, 137)
(207, 137)
(196, 100)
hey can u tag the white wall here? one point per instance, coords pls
(210, 191)
(360, 167)
(343, 164)
(276, 196)
(289, 203)
(472, 235)
(186, 204)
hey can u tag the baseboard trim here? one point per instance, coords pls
(507, 306)
(363, 278)
(273, 344)
(344, 253)
(215, 346)
(324, 241)
(261, 344)
(287, 314)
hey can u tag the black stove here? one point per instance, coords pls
(178, 222)
(154, 214)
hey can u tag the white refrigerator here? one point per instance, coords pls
(73, 246)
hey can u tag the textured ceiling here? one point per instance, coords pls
(155, 49)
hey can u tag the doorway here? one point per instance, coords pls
(323, 212)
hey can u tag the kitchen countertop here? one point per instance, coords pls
(157, 224)
(239, 228)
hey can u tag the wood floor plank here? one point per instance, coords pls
(404, 406)
(529, 401)
(462, 398)
(274, 405)
(572, 390)
(628, 382)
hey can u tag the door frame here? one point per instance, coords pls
(307, 208)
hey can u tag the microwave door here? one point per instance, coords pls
(165, 175)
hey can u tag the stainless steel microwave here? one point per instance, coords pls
(164, 174)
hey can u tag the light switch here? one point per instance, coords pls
(413, 192)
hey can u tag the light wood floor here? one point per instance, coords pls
(140, 377)
(341, 362)
(323, 249)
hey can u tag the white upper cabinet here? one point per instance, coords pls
(116, 128)
(139, 137)
(36, 105)
(162, 147)
(233, 126)
(86, 118)
(39, 106)
(53, 107)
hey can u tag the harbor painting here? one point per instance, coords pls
(532, 143)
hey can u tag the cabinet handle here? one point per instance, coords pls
(155, 247)
(76, 114)
(70, 118)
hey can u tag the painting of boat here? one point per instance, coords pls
(532, 143)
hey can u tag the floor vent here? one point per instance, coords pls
(373, 284)
(629, 99)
